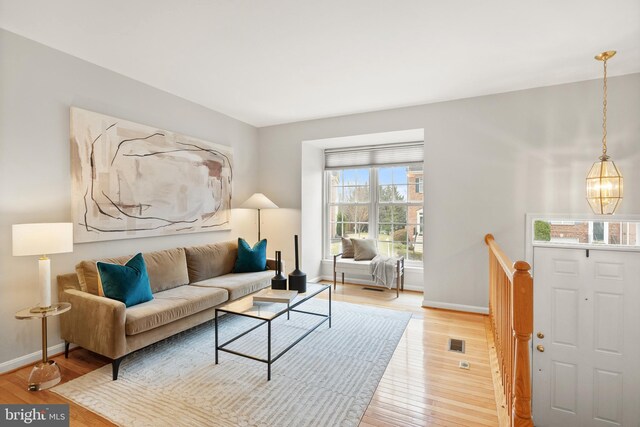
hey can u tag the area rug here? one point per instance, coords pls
(327, 379)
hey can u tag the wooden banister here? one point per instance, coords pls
(511, 322)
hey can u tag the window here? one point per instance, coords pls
(349, 201)
(382, 203)
(598, 232)
(586, 232)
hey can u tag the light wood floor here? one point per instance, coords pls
(422, 386)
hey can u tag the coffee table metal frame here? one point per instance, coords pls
(271, 358)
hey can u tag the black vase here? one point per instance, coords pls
(297, 279)
(279, 281)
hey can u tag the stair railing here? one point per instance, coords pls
(511, 322)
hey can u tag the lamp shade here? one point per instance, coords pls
(42, 239)
(258, 201)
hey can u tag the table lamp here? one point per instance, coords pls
(258, 201)
(43, 239)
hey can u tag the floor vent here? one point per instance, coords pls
(373, 289)
(456, 345)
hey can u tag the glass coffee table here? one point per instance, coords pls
(266, 312)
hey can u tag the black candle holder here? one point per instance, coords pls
(279, 281)
(297, 279)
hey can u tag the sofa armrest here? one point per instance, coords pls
(95, 323)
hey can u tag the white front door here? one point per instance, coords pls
(587, 318)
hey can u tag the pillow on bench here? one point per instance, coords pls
(364, 249)
(347, 248)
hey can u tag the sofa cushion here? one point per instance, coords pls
(170, 305)
(167, 269)
(349, 265)
(127, 283)
(239, 284)
(251, 259)
(205, 262)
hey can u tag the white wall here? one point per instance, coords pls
(37, 87)
(488, 161)
(312, 211)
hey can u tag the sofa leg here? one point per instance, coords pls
(66, 349)
(115, 366)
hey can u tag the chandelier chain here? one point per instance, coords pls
(604, 112)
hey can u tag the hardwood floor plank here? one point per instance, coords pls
(423, 382)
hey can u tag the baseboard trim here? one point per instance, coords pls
(456, 307)
(369, 283)
(28, 359)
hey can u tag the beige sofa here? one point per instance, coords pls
(187, 285)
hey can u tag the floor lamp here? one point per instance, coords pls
(258, 201)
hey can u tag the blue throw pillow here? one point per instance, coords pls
(251, 259)
(128, 283)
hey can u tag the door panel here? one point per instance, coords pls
(588, 311)
(564, 330)
(609, 326)
(605, 385)
(565, 386)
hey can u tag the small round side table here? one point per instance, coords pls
(45, 374)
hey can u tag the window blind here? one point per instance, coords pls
(374, 155)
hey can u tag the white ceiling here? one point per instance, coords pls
(275, 61)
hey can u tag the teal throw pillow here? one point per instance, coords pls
(127, 283)
(251, 259)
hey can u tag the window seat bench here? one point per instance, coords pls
(350, 266)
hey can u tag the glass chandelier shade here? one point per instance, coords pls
(604, 180)
(604, 187)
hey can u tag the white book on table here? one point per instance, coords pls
(275, 295)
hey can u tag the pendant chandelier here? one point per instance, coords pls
(604, 181)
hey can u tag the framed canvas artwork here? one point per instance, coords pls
(130, 180)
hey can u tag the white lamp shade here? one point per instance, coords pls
(258, 201)
(42, 239)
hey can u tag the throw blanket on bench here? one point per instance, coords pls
(383, 270)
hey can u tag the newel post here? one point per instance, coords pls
(488, 238)
(523, 328)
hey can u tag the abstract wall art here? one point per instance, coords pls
(130, 180)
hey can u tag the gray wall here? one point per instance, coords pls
(488, 161)
(37, 87)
